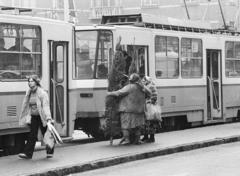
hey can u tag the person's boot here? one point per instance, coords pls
(145, 138)
(152, 138)
(137, 137)
(125, 139)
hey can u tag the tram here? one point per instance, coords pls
(31, 45)
(196, 70)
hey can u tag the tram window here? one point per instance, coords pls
(85, 54)
(105, 45)
(166, 57)
(60, 63)
(191, 58)
(92, 48)
(20, 53)
(232, 50)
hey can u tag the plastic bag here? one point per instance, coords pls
(54, 133)
(153, 112)
(48, 139)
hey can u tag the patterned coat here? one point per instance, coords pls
(42, 106)
(132, 98)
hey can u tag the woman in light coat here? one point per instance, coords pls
(36, 114)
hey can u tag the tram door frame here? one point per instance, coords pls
(214, 84)
(58, 84)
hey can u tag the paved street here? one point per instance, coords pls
(85, 157)
(221, 160)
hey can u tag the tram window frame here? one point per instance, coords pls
(99, 64)
(189, 57)
(23, 55)
(166, 57)
(232, 59)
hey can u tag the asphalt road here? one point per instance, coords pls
(221, 160)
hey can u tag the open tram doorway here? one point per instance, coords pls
(214, 85)
(58, 84)
(137, 59)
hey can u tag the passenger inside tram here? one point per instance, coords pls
(2, 55)
(84, 65)
(16, 60)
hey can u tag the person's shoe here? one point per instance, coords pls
(145, 138)
(121, 141)
(24, 156)
(49, 155)
(138, 142)
(125, 142)
(152, 138)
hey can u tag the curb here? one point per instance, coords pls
(77, 168)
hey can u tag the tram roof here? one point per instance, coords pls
(165, 23)
(31, 18)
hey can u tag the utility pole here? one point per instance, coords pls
(66, 11)
(185, 4)
(224, 22)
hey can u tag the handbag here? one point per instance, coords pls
(153, 112)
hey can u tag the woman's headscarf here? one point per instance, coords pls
(134, 78)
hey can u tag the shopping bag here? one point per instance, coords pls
(48, 139)
(54, 133)
(153, 112)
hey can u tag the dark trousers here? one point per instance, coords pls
(36, 123)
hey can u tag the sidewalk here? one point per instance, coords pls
(79, 158)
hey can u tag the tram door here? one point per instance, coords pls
(58, 84)
(214, 88)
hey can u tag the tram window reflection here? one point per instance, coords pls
(19, 56)
(191, 58)
(232, 50)
(83, 62)
(93, 53)
(166, 57)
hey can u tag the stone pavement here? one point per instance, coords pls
(79, 158)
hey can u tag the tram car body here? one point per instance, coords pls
(195, 69)
(31, 45)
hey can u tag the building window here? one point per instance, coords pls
(20, 51)
(191, 58)
(232, 55)
(105, 7)
(100, 3)
(166, 57)
(149, 3)
(192, 1)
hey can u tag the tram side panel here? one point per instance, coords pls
(231, 101)
(10, 110)
(182, 106)
(87, 107)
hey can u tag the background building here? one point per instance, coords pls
(90, 11)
